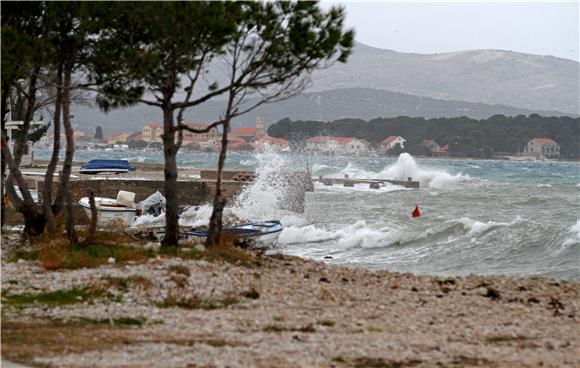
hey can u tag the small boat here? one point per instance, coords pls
(111, 209)
(257, 235)
(106, 166)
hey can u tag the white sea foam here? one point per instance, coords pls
(405, 167)
(358, 187)
(575, 237)
(477, 228)
(357, 235)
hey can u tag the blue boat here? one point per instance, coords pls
(258, 235)
(106, 166)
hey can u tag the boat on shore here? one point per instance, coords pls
(256, 235)
(106, 166)
(109, 209)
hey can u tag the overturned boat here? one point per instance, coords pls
(106, 166)
(121, 209)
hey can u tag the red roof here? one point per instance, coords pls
(544, 141)
(390, 139)
(153, 126)
(445, 148)
(245, 131)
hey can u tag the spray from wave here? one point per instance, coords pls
(256, 202)
(405, 167)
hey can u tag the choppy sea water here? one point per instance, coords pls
(478, 216)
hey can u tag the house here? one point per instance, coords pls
(190, 137)
(135, 137)
(215, 144)
(542, 148)
(152, 133)
(337, 145)
(118, 138)
(265, 140)
(247, 134)
(390, 142)
(354, 146)
(430, 144)
(441, 152)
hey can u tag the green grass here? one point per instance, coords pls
(89, 256)
(27, 255)
(58, 297)
(326, 322)
(197, 303)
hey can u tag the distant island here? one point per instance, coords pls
(462, 136)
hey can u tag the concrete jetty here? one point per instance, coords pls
(372, 183)
(191, 192)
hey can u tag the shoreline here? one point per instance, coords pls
(284, 311)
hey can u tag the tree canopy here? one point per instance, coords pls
(503, 134)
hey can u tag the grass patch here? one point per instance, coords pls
(374, 329)
(121, 321)
(125, 283)
(180, 269)
(197, 303)
(227, 252)
(94, 255)
(25, 254)
(279, 328)
(327, 323)
(274, 328)
(59, 297)
(338, 359)
(504, 338)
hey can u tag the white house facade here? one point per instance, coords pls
(542, 148)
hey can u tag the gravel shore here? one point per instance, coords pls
(284, 311)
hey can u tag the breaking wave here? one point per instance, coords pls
(575, 237)
(405, 167)
(478, 228)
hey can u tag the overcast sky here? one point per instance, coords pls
(544, 28)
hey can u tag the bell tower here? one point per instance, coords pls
(260, 122)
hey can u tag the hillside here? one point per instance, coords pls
(485, 76)
(363, 103)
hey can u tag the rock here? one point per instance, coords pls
(492, 293)
(199, 248)
(111, 260)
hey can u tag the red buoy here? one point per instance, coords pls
(416, 212)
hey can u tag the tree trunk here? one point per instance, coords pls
(3, 113)
(215, 221)
(60, 201)
(48, 178)
(170, 153)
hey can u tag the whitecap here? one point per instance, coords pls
(575, 238)
(477, 228)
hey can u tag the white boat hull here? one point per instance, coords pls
(107, 212)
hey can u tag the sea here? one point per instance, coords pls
(484, 217)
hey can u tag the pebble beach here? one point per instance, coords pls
(283, 311)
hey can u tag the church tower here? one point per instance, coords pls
(260, 122)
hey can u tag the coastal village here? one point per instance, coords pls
(224, 210)
(256, 138)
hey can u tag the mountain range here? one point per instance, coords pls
(384, 83)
